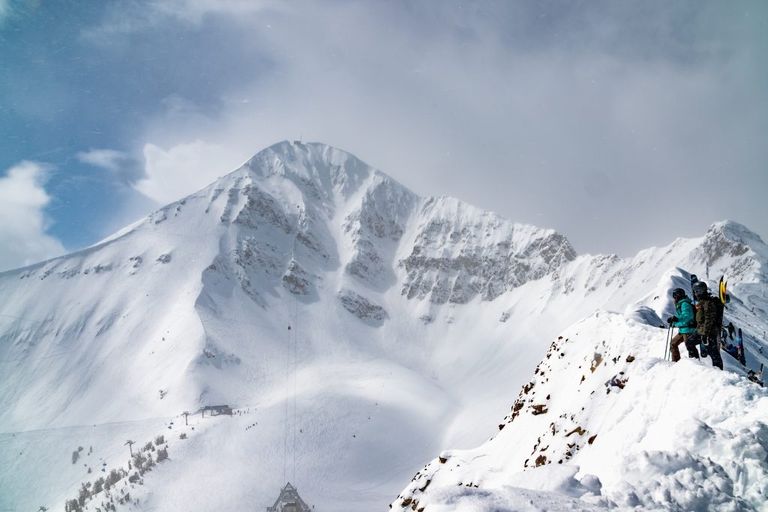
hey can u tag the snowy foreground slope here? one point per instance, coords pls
(606, 423)
(413, 324)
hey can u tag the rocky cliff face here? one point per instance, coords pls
(459, 253)
(305, 209)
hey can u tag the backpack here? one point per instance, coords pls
(712, 323)
(719, 310)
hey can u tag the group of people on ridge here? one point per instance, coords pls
(700, 328)
(698, 325)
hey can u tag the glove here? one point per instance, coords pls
(671, 320)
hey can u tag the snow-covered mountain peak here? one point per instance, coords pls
(731, 248)
(317, 168)
(729, 238)
(734, 231)
(450, 251)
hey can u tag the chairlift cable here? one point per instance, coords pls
(291, 373)
(295, 350)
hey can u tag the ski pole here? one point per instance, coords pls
(669, 341)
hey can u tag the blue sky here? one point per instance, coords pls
(621, 124)
(67, 91)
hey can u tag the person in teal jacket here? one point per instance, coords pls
(685, 321)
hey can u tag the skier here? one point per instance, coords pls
(709, 321)
(685, 321)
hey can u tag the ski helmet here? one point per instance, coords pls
(678, 293)
(700, 289)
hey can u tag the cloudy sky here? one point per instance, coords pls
(621, 124)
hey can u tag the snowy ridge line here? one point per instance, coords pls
(615, 426)
(78, 253)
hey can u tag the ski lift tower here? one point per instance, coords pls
(289, 501)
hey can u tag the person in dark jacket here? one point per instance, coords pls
(685, 321)
(709, 321)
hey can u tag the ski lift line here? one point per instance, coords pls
(293, 337)
(295, 378)
(285, 418)
(288, 363)
(295, 359)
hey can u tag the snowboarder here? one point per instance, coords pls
(685, 321)
(709, 321)
(731, 330)
(740, 345)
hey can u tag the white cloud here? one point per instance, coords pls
(23, 238)
(582, 120)
(108, 159)
(183, 169)
(122, 165)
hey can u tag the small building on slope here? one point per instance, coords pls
(216, 410)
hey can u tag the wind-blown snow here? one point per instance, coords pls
(413, 322)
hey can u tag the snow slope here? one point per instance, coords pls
(407, 315)
(605, 422)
